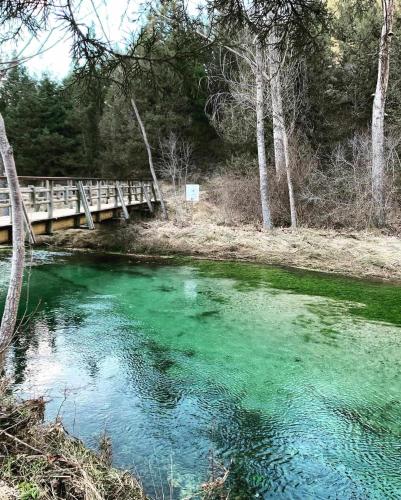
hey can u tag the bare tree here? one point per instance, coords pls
(18, 255)
(14, 17)
(280, 136)
(278, 87)
(175, 160)
(150, 158)
(260, 138)
(378, 154)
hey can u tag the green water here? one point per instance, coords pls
(291, 379)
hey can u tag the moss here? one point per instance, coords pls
(28, 491)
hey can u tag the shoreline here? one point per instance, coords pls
(360, 255)
(188, 257)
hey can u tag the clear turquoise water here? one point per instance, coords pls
(291, 379)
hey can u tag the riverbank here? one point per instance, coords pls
(358, 254)
(41, 460)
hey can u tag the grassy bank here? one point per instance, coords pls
(224, 225)
(202, 232)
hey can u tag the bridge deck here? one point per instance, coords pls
(60, 213)
(56, 203)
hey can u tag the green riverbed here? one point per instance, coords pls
(291, 379)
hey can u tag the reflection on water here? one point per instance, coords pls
(292, 379)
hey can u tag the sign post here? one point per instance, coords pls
(192, 192)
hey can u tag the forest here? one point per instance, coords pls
(196, 89)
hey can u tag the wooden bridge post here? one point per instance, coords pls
(129, 192)
(108, 192)
(50, 206)
(99, 195)
(33, 198)
(71, 194)
(77, 219)
(141, 192)
(87, 191)
(78, 201)
(147, 198)
(66, 196)
(28, 225)
(121, 196)
(115, 195)
(88, 215)
(153, 191)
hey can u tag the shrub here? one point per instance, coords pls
(331, 194)
(236, 191)
(339, 196)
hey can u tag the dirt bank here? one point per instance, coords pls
(39, 460)
(359, 254)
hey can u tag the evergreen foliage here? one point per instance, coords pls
(84, 126)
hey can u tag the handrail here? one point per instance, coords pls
(35, 177)
(50, 198)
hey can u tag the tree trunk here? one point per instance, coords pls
(151, 166)
(291, 196)
(378, 154)
(260, 137)
(280, 137)
(279, 132)
(18, 256)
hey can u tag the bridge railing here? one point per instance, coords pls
(48, 197)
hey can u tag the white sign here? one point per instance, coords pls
(192, 192)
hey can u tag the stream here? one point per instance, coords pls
(290, 379)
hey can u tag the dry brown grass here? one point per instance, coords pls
(236, 198)
(39, 461)
(203, 233)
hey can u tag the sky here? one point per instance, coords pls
(116, 18)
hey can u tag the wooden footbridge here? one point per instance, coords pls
(57, 203)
